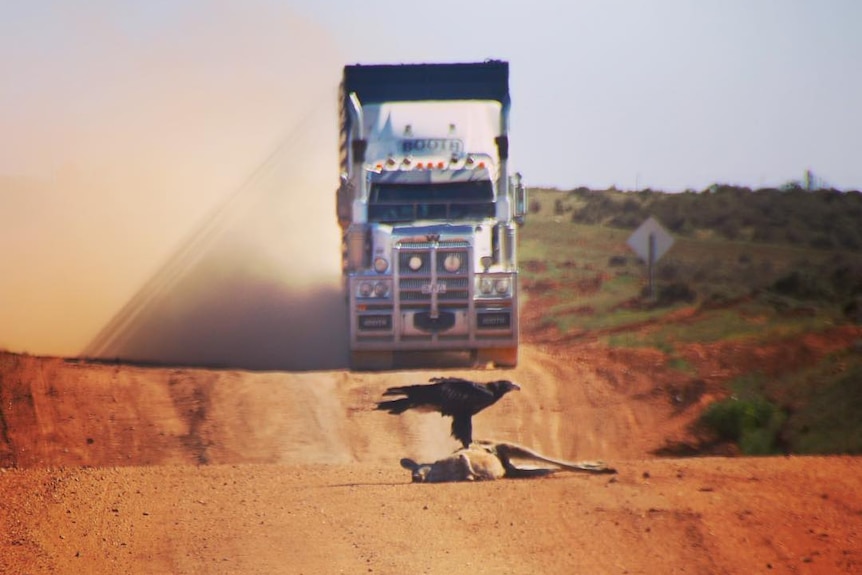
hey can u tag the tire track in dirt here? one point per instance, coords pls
(572, 408)
(17, 411)
(7, 450)
(193, 403)
(274, 417)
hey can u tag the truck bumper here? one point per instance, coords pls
(388, 326)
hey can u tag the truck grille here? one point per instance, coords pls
(423, 275)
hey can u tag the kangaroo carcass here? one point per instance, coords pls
(487, 460)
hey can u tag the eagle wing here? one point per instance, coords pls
(451, 396)
(461, 396)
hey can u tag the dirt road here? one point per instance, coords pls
(114, 468)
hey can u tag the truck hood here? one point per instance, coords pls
(440, 230)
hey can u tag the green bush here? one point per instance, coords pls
(803, 285)
(754, 424)
(827, 414)
(674, 293)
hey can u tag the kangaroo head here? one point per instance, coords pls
(418, 472)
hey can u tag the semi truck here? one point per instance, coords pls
(429, 212)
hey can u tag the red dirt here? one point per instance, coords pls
(114, 468)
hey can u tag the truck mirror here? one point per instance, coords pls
(520, 199)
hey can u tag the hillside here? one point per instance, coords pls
(820, 218)
(746, 301)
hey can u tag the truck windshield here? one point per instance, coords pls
(439, 201)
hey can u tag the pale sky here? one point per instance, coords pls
(663, 93)
(124, 125)
(670, 94)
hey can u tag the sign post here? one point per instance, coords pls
(650, 241)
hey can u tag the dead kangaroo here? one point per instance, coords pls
(487, 460)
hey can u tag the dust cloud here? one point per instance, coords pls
(167, 188)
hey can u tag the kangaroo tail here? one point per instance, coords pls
(508, 451)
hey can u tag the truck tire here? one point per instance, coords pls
(499, 356)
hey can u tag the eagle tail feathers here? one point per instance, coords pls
(396, 406)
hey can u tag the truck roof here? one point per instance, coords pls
(377, 83)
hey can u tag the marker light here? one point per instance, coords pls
(381, 289)
(380, 265)
(452, 263)
(373, 289)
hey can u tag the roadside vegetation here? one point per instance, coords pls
(752, 274)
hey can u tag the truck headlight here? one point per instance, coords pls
(365, 289)
(414, 263)
(380, 265)
(486, 286)
(452, 263)
(381, 289)
(501, 286)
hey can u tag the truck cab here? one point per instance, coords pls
(429, 213)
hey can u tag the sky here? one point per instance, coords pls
(668, 94)
(127, 127)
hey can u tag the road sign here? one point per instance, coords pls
(650, 241)
(650, 232)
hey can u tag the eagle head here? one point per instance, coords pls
(502, 387)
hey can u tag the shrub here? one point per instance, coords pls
(675, 292)
(802, 285)
(559, 207)
(754, 424)
(626, 221)
(853, 310)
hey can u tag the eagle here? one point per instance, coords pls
(459, 398)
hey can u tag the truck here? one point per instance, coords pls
(428, 211)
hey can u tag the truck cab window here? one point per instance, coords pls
(390, 202)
